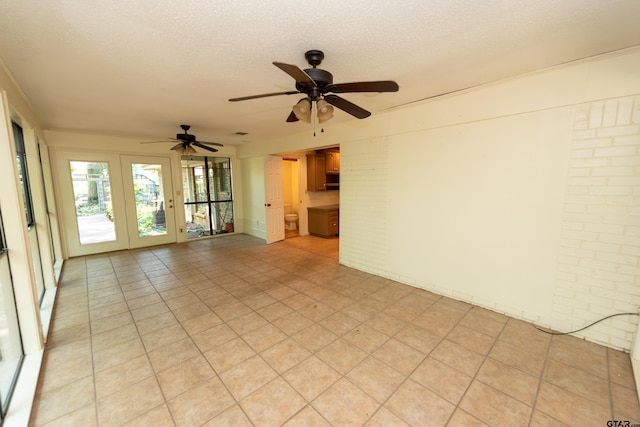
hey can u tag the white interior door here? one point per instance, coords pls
(274, 202)
(148, 196)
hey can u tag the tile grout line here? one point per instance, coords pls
(93, 361)
(146, 351)
(474, 378)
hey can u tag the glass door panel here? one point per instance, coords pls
(198, 220)
(92, 195)
(148, 199)
(89, 191)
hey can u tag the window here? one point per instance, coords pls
(208, 203)
(11, 352)
(21, 157)
(46, 204)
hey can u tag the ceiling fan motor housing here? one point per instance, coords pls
(185, 137)
(322, 79)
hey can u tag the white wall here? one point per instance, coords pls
(472, 196)
(484, 211)
(254, 220)
(598, 268)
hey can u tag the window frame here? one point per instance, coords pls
(21, 159)
(212, 175)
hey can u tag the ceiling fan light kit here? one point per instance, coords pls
(318, 85)
(325, 111)
(302, 110)
(184, 149)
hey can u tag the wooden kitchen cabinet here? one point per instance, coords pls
(332, 162)
(316, 174)
(318, 179)
(324, 220)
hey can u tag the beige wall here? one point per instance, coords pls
(467, 195)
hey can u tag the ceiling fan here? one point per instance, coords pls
(318, 86)
(186, 141)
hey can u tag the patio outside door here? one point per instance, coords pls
(111, 202)
(148, 200)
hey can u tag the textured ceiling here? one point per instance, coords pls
(139, 69)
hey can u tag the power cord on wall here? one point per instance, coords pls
(588, 326)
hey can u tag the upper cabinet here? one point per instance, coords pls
(323, 170)
(316, 175)
(332, 161)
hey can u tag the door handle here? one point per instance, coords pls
(267, 204)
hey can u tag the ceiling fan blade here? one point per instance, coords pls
(264, 95)
(379, 86)
(217, 144)
(295, 72)
(292, 118)
(204, 147)
(347, 106)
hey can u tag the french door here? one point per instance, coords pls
(148, 200)
(112, 202)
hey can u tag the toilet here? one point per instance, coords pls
(290, 218)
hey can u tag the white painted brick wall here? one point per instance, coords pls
(598, 271)
(363, 205)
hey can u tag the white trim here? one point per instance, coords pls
(24, 391)
(25, 388)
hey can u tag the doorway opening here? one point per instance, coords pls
(290, 196)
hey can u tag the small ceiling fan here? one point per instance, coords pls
(186, 141)
(318, 86)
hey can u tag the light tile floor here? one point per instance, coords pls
(232, 332)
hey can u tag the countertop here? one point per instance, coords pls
(324, 208)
